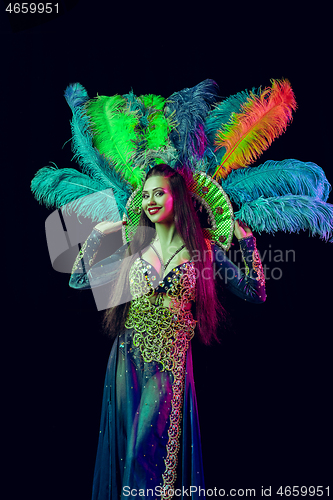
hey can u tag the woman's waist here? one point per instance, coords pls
(153, 299)
(144, 315)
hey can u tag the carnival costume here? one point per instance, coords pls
(149, 433)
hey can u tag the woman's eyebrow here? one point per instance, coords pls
(145, 191)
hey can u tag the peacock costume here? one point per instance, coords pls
(149, 440)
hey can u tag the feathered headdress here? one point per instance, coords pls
(117, 139)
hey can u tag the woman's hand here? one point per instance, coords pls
(241, 230)
(108, 227)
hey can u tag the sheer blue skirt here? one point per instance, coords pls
(134, 428)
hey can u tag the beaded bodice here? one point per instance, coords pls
(179, 281)
(161, 332)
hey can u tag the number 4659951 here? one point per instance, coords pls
(32, 8)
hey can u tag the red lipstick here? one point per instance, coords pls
(153, 210)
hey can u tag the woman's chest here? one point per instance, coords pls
(164, 260)
(178, 285)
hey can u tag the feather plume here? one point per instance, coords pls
(157, 131)
(153, 127)
(153, 101)
(76, 95)
(74, 191)
(221, 113)
(133, 103)
(125, 126)
(277, 178)
(89, 159)
(264, 117)
(150, 157)
(189, 108)
(87, 193)
(290, 213)
(217, 117)
(114, 134)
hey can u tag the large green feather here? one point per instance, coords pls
(114, 134)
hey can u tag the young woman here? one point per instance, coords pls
(163, 293)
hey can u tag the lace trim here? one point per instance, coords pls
(83, 250)
(257, 266)
(79, 256)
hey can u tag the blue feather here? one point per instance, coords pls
(75, 192)
(277, 178)
(76, 95)
(290, 213)
(189, 108)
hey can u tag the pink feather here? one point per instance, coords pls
(249, 133)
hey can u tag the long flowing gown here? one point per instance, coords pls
(149, 438)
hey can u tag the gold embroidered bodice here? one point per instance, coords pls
(161, 333)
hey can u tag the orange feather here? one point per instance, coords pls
(249, 133)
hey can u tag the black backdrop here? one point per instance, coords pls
(264, 392)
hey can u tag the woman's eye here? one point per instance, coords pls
(158, 193)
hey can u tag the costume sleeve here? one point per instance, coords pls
(88, 274)
(250, 285)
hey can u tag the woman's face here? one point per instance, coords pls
(157, 200)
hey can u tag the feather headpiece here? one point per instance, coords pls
(117, 139)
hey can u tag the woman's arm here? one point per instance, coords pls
(250, 285)
(85, 273)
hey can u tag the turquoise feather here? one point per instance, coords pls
(277, 178)
(290, 213)
(88, 193)
(87, 156)
(75, 192)
(92, 162)
(221, 113)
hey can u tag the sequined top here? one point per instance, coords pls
(160, 332)
(158, 328)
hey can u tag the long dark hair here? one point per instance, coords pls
(207, 307)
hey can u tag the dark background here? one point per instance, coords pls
(264, 392)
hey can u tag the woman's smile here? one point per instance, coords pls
(153, 210)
